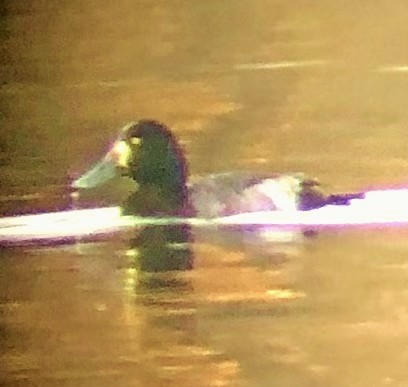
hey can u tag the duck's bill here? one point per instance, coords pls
(99, 174)
(116, 160)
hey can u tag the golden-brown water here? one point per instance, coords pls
(319, 87)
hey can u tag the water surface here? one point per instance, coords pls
(256, 85)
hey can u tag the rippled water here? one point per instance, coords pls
(256, 85)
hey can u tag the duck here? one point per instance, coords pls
(149, 153)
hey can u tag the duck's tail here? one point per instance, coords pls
(343, 199)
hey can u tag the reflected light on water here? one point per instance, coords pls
(378, 207)
(262, 296)
(63, 224)
(280, 65)
(394, 69)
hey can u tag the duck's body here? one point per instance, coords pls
(148, 153)
(237, 192)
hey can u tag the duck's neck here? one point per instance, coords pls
(161, 173)
(158, 200)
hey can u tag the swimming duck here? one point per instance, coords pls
(148, 152)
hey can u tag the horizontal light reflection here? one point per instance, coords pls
(280, 65)
(378, 207)
(64, 224)
(394, 69)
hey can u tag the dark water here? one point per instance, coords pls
(319, 87)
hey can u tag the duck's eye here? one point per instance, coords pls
(135, 140)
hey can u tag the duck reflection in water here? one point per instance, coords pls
(163, 248)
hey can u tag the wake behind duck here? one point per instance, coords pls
(149, 153)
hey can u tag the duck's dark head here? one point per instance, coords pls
(147, 152)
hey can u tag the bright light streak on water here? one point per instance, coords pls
(394, 69)
(280, 65)
(63, 224)
(378, 207)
